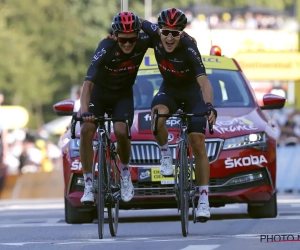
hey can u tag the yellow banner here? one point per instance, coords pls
(210, 62)
(268, 66)
(236, 41)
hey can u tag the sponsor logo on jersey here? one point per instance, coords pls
(99, 54)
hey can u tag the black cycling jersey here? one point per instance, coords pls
(179, 68)
(112, 68)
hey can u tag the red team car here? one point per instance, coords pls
(242, 150)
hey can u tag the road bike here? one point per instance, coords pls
(107, 187)
(184, 184)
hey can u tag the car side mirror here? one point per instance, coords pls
(272, 101)
(64, 108)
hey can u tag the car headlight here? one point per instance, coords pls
(255, 140)
(75, 145)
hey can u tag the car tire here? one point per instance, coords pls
(267, 210)
(74, 216)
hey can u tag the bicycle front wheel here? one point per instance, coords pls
(113, 207)
(101, 190)
(184, 193)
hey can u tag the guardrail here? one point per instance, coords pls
(288, 169)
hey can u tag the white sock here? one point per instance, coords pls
(88, 179)
(165, 150)
(203, 194)
(125, 170)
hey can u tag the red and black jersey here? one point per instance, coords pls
(112, 68)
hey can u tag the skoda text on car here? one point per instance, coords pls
(242, 150)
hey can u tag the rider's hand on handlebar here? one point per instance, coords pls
(213, 113)
(88, 117)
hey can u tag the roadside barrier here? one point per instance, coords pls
(288, 169)
(34, 185)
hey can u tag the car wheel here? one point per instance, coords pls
(74, 216)
(267, 210)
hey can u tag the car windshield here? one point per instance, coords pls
(228, 86)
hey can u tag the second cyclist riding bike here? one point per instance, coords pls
(184, 184)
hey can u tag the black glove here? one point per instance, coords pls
(86, 114)
(210, 107)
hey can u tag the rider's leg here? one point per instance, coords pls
(202, 169)
(124, 146)
(86, 157)
(197, 127)
(124, 106)
(161, 138)
(162, 135)
(165, 104)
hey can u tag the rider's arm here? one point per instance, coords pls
(92, 74)
(201, 76)
(195, 60)
(206, 88)
(86, 96)
(149, 28)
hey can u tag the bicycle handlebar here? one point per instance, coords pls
(180, 115)
(75, 119)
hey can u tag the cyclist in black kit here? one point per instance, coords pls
(184, 80)
(108, 84)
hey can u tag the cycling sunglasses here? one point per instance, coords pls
(174, 33)
(124, 40)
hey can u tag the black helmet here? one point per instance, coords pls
(172, 18)
(126, 22)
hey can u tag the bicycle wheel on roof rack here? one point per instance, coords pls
(115, 185)
(184, 193)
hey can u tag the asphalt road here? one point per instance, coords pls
(39, 224)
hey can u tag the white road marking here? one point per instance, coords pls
(125, 240)
(32, 207)
(35, 225)
(284, 201)
(295, 205)
(200, 247)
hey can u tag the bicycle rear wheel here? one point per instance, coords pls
(184, 193)
(101, 190)
(113, 206)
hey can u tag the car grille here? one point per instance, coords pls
(152, 188)
(147, 152)
(216, 185)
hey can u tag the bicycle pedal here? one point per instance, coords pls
(202, 219)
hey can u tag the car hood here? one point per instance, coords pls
(231, 122)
